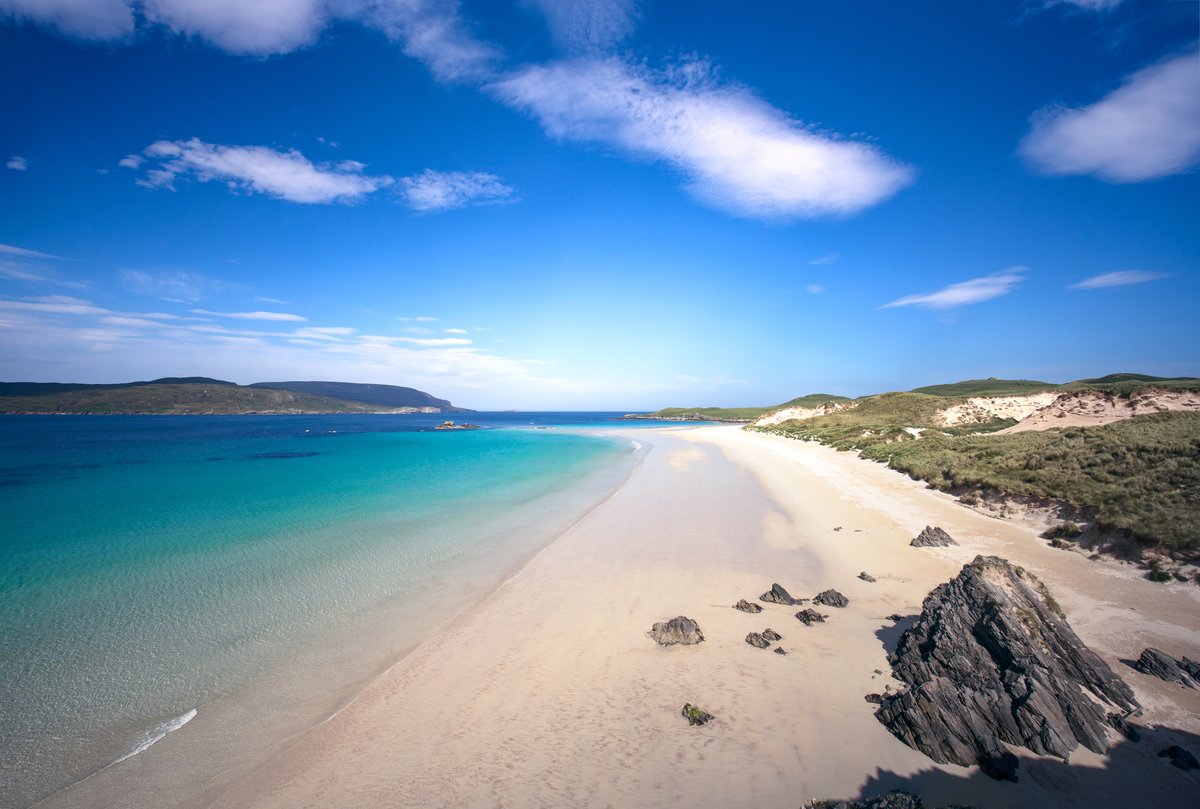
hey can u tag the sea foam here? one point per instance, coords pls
(158, 734)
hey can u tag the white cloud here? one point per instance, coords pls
(19, 272)
(258, 169)
(977, 290)
(131, 161)
(455, 331)
(1120, 278)
(1147, 128)
(589, 25)
(258, 27)
(444, 190)
(17, 163)
(1093, 5)
(272, 316)
(828, 258)
(87, 19)
(429, 341)
(172, 285)
(739, 153)
(433, 32)
(13, 250)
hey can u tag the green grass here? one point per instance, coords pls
(1140, 476)
(987, 387)
(748, 413)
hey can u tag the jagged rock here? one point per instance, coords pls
(757, 641)
(771, 635)
(874, 698)
(896, 799)
(777, 595)
(695, 716)
(990, 660)
(895, 616)
(865, 576)
(932, 538)
(1183, 759)
(810, 616)
(839, 528)
(1161, 665)
(779, 650)
(679, 630)
(746, 606)
(831, 598)
(1122, 725)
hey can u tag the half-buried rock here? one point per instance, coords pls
(831, 598)
(932, 538)
(756, 640)
(991, 660)
(771, 635)
(1159, 664)
(679, 630)
(694, 715)
(808, 617)
(746, 606)
(777, 595)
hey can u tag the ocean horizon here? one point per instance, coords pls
(232, 580)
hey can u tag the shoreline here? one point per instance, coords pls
(552, 673)
(546, 691)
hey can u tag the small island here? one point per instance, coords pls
(450, 425)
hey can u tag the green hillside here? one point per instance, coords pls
(189, 398)
(743, 413)
(987, 387)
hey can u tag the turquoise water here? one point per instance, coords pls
(157, 569)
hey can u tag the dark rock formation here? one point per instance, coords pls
(991, 660)
(895, 616)
(746, 606)
(1161, 665)
(695, 716)
(865, 576)
(831, 598)
(757, 641)
(779, 650)
(1121, 723)
(932, 538)
(875, 699)
(896, 799)
(777, 595)
(679, 629)
(1183, 759)
(771, 635)
(809, 617)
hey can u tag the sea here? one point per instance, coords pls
(227, 582)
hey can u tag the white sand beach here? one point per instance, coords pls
(549, 693)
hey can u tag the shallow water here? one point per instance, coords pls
(237, 578)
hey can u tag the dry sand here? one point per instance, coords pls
(550, 694)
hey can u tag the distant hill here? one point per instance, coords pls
(986, 387)
(382, 395)
(735, 413)
(194, 396)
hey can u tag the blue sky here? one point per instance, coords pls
(614, 204)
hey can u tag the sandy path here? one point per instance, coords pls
(550, 693)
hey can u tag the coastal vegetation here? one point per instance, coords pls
(201, 395)
(741, 413)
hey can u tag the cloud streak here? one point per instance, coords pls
(278, 317)
(1147, 128)
(434, 191)
(964, 293)
(739, 154)
(1120, 278)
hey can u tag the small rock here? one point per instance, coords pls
(865, 576)
(779, 650)
(1159, 664)
(680, 629)
(895, 616)
(932, 538)
(757, 641)
(1183, 759)
(747, 606)
(771, 635)
(777, 595)
(874, 698)
(877, 671)
(1122, 725)
(810, 616)
(695, 716)
(896, 799)
(839, 528)
(831, 598)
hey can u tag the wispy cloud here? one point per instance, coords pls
(272, 316)
(1091, 5)
(131, 161)
(739, 153)
(455, 331)
(828, 258)
(1147, 128)
(13, 250)
(258, 169)
(444, 190)
(20, 272)
(1120, 278)
(173, 285)
(429, 30)
(17, 163)
(589, 25)
(977, 290)
(418, 318)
